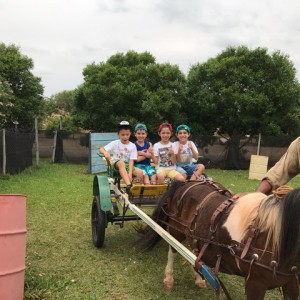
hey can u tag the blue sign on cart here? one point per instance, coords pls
(98, 140)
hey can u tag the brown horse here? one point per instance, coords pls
(256, 237)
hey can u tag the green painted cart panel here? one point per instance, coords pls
(101, 189)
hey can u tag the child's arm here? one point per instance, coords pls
(149, 151)
(173, 157)
(178, 154)
(154, 159)
(194, 152)
(153, 156)
(142, 155)
(105, 153)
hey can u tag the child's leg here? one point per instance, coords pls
(138, 173)
(173, 174)
(123, 172)
(146, 179)
(153, 179)
(182, 172)
(180, 177)
(160, 177)
(198, 172)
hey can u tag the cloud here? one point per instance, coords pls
(62, 37)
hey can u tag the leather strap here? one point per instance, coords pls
(223, 206)
(184, 193)
(198, 262)
(197, 209)
(224, 289)
(252, 232)
(217, 266)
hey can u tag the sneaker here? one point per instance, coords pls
(127, 189)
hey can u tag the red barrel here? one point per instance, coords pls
(12, 246)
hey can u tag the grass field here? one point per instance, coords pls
(62, 262)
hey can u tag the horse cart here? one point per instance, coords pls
(108, 192)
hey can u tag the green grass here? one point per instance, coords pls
(62, 262)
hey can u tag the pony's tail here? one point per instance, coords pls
(149, 237)
(290, 228)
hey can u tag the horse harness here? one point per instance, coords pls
(225, 206)
(238, 250)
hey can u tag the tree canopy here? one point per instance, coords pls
(243, 91)
(58, 111)
(23, 88)
(60, 103)
(130, 86)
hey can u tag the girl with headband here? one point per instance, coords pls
(164, 157)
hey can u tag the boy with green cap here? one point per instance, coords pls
(185, 151)
(144, 153)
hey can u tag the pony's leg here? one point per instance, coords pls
(199, 280)
(255, 290)
(291, 290)
(169, 279)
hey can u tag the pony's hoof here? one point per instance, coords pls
(201, 284)
(168, 284)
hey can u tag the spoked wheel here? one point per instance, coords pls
(98, 223)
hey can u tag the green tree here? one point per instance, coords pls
(6, 104)
(60, 103)
(25, 88)
(58, 110)
(243, 91)
(129, 86)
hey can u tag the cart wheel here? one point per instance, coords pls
(98, 223)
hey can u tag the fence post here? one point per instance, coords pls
(258, 145)
(4, 152)
(54, 146)
(37, 152)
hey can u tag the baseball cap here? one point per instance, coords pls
(183, 127)
(140, 126)
(124, 125)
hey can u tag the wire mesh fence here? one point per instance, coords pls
(21, 148)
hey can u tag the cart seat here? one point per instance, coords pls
(148, 191)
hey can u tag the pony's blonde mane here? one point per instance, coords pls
(269, 220)
(245, 212)
(243, 215)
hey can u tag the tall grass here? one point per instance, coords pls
(62, 262)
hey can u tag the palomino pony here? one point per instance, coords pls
(256, 237)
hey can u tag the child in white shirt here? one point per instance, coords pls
(124, 154)
(164, 157)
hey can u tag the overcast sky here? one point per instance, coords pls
(64, 36)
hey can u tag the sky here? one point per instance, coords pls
(62, 37)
